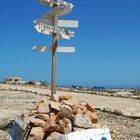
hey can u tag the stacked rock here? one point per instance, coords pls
(49, 119)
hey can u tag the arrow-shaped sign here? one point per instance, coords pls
(58, 10)
(52, 2)
(49, 49)
(68, 23)
(48, 29)
(42, 49)
(61, 23)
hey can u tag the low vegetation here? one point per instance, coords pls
(136, 92)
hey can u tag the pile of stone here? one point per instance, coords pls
(51, 119)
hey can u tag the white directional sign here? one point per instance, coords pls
(48, 29)
(61, 23)
(59, 49)
(58, 10)
(68, 23)
(45, 21)
(66, 49)
(51, 2)
(42, 49)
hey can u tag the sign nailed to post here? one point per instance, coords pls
(51, 2)
(48, 29)
(61, 23)
(49, 49)
(58, 10)
(50, 24)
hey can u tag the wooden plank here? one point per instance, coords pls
(40, 30)
(42, 49)
(53, 2)
(45, 21)
(45, 2)
(61, 23)
(66, 49)
(49, 49)
(58, 10)
(64, 36)
(68, 23)
(50, 2)
(49, 30)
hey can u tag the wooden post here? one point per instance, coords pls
(54, 59)
(49, 24)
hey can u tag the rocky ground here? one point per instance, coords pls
(121, 128)
(14, 103)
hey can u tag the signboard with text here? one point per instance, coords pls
(58, 10)
(48, 29)
(51, 2)
(61, 23)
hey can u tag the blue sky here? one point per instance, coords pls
(107, 43)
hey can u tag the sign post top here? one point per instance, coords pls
(54, 2)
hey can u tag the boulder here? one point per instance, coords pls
(79, 109)
(70, 103)
(56, 106)
(43, 107)
(37, 122)
(93, 116)
(43, 117)
(76, 110)
(53, 127)
(82, 121)
(27, 119)
(65, 97)
(32, 112)
(90, 107)
(56, 98)
(36, 134)
(65, 126)
(65, 112)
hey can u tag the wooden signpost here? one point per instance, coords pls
(49, 49)
(50, 24)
